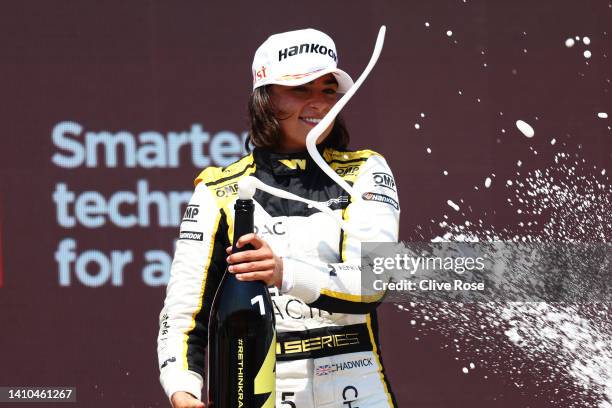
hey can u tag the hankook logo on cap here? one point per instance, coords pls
(306, 48)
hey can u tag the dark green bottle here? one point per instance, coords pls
(241, 335)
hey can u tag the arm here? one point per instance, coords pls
(337, 287)
(199, 262)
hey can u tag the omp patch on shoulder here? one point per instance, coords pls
(381, 198)
(191, 213)
(384, 180)
(347, 164)
(191, 235)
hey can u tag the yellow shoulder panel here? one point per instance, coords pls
(223, 183)
(215, 174)
(348, 164)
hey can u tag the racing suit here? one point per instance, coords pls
(327, 343)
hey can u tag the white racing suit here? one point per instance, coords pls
(327, 342)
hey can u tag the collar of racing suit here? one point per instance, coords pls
(296, 173)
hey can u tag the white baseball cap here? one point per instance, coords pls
(297, 57)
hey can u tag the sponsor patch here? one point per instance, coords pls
(170, 360)
(260, 73)
(384, 180)
(227, 190)
(326, 369)
(277, 228)
(347, 170)
(306, 48)
(381, 198)
(335, 268)
(191, 235)
(191, 213)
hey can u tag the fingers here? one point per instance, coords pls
(253, 264)
(266, 276)
(252, 239)
(256, 266)
(262, 250)
(250, 256)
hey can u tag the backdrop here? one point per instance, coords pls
(111, 108)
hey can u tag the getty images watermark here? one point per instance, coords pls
(487, 272)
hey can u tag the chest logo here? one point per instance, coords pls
(294, 164)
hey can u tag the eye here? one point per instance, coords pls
(330, 91)
(299, 89)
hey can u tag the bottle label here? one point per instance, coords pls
(265, 380)
(240, 372)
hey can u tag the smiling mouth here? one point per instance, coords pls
(311, 121)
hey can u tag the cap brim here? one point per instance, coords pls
(345, 82)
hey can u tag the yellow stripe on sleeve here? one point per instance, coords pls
(203, 287)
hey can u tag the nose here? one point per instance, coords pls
(320, 102)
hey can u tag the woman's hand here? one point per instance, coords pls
(256, 264)
(182, 399)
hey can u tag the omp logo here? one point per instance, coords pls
(381, 198)
(384, 180)
(191, 235)
(226, 190)
(294, 163)
(343, 366)
(306, 48)
(191, 213)
(347, 170)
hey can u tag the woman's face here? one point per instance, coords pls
(301, 107)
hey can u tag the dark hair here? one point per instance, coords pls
(264, 129)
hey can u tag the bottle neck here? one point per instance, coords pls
(243, 222)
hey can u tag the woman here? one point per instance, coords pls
(327, 352)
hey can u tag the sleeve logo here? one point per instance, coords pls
(381, 198)
(384, 180)
(191, 235)
(191, 213)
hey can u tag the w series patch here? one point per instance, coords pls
(381, 198)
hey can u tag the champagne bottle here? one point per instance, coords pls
(241, 335)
